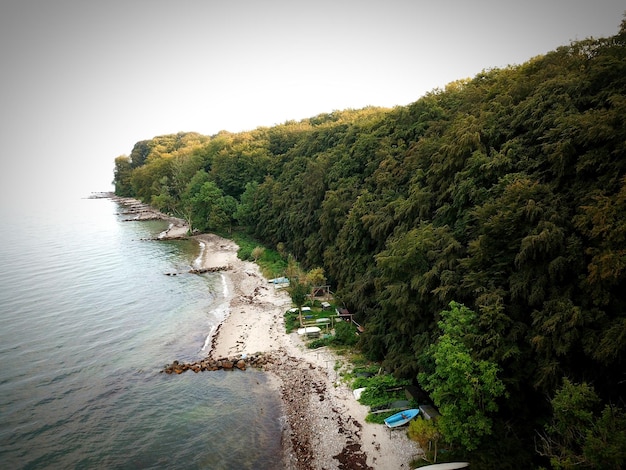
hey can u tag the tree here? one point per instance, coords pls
(189, 197)
(121, 178)
(316, 277)
(226, 207)
(244, 161)
(299, 285)
(246, 213)
(205, 206)
(506, 192)
(603, 220)
(464, 389)
(426, 433)
(140, 153)
(299, 290)
(164, 200)
(146, 179)
(577, 437)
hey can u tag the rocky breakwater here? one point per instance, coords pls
(137, 210)
(210, 269)
(241, 362)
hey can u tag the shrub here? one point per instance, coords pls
(426, 434)
(345, 334)
(257, 252)
(320, 342)
(380, 389)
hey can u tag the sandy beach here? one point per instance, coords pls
(325, 425)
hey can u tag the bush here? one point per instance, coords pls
(245, 251)
(380, 389)
(345, 334)
(292, 321)
(271, 263)
(320, 342)
(426, 434)
(257, 252)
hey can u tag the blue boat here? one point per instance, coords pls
(400, 419)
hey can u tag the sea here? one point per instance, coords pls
(88, 319)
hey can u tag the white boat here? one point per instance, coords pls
(447, 466)
(309, 331)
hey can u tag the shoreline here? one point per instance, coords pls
(325, 425)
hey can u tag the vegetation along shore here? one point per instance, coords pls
(325, 425)
(473, 240)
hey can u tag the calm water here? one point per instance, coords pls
(88, 319)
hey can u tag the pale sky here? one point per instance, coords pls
(82, 81)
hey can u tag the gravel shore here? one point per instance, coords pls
(325, 426)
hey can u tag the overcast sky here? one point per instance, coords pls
(82, 81)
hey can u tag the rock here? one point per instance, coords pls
(213, 269)
(241, 362)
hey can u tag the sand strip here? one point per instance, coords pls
(326, 425)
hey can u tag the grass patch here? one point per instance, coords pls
(381, 394)
(342, 338)
(379, 418)
(292, 319)
(271, 263)
(380, 390)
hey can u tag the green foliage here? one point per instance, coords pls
(257, 252)
(505, 192)
(426, 434)
(603, 220)
(292, 321)
(463, 388)
(298, 292)
(247, 208)
(316, 277)
(271, 263)
(364, 367)
(345, 334)
(246, 245)
(206, 205)
(122, 174)
(379, 418)
(380, 389)
(320, 342)
(579, 436)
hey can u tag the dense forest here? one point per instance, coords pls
(478, 234)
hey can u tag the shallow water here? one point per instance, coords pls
(89, 318)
